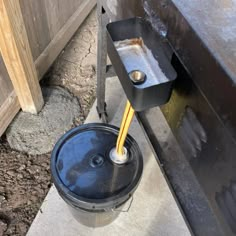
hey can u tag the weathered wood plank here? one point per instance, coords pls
(35, 19)
(44, 18)
(44, 61)
(58, 12)
(8, 110)
(17, 56)
(5, 83)
(68, 10)
(53, 15)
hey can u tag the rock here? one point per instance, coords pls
(19, 176)
(2, 189)
(11, 173)
(2, 199)
(22, 167)
(3, 227)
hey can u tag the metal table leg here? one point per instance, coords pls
(101, 62)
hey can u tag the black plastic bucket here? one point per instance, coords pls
(92, 185)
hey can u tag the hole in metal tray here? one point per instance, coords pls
(140, 63)
(137, 76)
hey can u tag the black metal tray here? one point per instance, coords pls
(140, 62)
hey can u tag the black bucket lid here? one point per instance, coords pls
(82, 170)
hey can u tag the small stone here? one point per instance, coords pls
(11, 173)
(19, 176)
(34, 193)
(34, 199)
(3, 227)
(28, 163)
(22, 167)
(33, 169)
(39, 190)
(2, 198)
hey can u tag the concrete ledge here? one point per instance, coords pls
(153, 211)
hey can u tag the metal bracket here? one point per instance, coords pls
(103, 113)
(101, 63)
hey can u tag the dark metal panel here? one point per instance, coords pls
(210, 75)
(201, 112)
(207, 169)
(214, 22)
(207, 56)
(179, 175)
(122, 9)
(208, 147)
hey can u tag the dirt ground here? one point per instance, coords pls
(25, 179)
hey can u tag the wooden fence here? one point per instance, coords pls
(32, 34)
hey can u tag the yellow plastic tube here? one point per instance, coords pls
(126, 121)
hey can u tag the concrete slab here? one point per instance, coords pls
(153, 211)
(37, 134)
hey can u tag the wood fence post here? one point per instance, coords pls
(16, 53)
